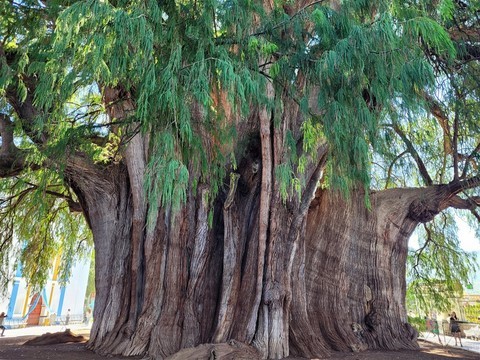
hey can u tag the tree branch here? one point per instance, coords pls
(73, 205)
(309, 192)
(457, 186)
(418, 253)
(12, 159)
(26, 111)
(464, 204)
(389, 172)
(6, 133)
(469, 159)
(13, 164)
(18, 196)
(472, 52)
(442, 118)
(456, 122)
(450, 144)
(293, 14)
(477, 216)
(411, 149)
(464, 33)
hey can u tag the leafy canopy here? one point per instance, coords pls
(438, 143)
(346, 68)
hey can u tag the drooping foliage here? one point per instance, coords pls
(437, 143)
(181, 54)
(439, 269)
(375, 83)
(37, 225)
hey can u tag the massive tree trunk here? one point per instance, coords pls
(349, 278)
(267, 276)
(305, 275)
(184, 283)
(261, 274)
(353, 279)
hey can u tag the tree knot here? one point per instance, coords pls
(357, 328)
(358, 332)
(213, 355)
(233, 342)
(423, 210)
(372, 319)
(273, 293)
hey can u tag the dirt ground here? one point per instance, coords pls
(13, 349)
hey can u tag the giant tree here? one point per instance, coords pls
(220, 152)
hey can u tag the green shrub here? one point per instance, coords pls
(418, 323)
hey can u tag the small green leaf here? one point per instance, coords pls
(274, 70)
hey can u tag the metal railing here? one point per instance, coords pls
(15, 323)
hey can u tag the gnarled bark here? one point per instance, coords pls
(355, 271)
(296, 277)
(284, 275)
(324, 274)
(337, 283)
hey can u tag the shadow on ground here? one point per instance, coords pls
(13, 349)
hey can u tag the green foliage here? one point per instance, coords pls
(472, 313)
(170, 176)
(418, 323)
(437, 270)
(181, 54)
(446, 9)
(435, 273)
(50, 228)
(432, 33)
(382, 64)
(358, 68)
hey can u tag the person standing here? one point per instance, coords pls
(88, 316)
(2, 318)
(435, 328)
(455, 328)
(67, 318)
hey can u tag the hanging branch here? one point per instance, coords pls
(418, 253)
(469, 159)
(442, 118)
(390, 168)
(413, 152)
(455, 135)
(73, 205)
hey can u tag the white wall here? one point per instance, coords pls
(75, 290)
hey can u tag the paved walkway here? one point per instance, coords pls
(470, 345)
(40, 330)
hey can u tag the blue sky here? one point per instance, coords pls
(468, 242)
(466, 236)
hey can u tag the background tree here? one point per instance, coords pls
(438, 268)
(207, 146)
